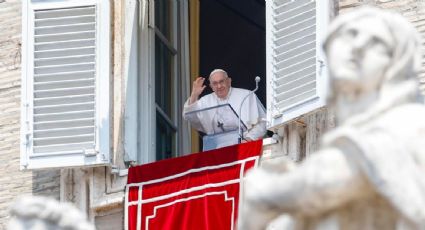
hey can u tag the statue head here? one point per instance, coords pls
(371, 51)
(33, 213)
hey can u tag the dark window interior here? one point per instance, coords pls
(232, 37)
(164, 81)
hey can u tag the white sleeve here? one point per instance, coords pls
(194, 118)
(258, 129)
(188, 108)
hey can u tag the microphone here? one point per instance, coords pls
(257, 79)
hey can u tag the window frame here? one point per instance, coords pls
(140, 82)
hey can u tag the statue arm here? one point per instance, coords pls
(325, 180)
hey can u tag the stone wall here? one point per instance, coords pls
(14, 182)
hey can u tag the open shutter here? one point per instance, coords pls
(65, 83)
(296, 77)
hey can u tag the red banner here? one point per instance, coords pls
(197, 191)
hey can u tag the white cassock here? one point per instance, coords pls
(223, 119)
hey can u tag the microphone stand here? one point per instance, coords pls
(257, 79)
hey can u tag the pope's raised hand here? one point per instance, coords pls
(197, 88)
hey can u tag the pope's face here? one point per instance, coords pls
(220, 84)
(360, 54)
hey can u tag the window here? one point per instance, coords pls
(166, 78)
(65, 75)
(160, 76)
(295, 64)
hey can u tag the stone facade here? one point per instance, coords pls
(13, 181)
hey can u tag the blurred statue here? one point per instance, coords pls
(42, 213)
(370, 171)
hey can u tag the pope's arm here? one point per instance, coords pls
(257, 131)
(193, 103)
(324, 181)
(258, 128)
(193, 118)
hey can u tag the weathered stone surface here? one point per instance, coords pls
(13, 181)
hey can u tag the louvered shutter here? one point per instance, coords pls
(296, 75)
(65, 83)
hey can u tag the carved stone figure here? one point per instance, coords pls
(370, 171)
(42, 213)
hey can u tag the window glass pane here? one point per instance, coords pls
(164, 138)
(163, 16)
(165, 81)
(163, 77)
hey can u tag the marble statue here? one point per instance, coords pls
(370, 170)
(42, 213)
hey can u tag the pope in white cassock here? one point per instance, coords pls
(223, 119)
